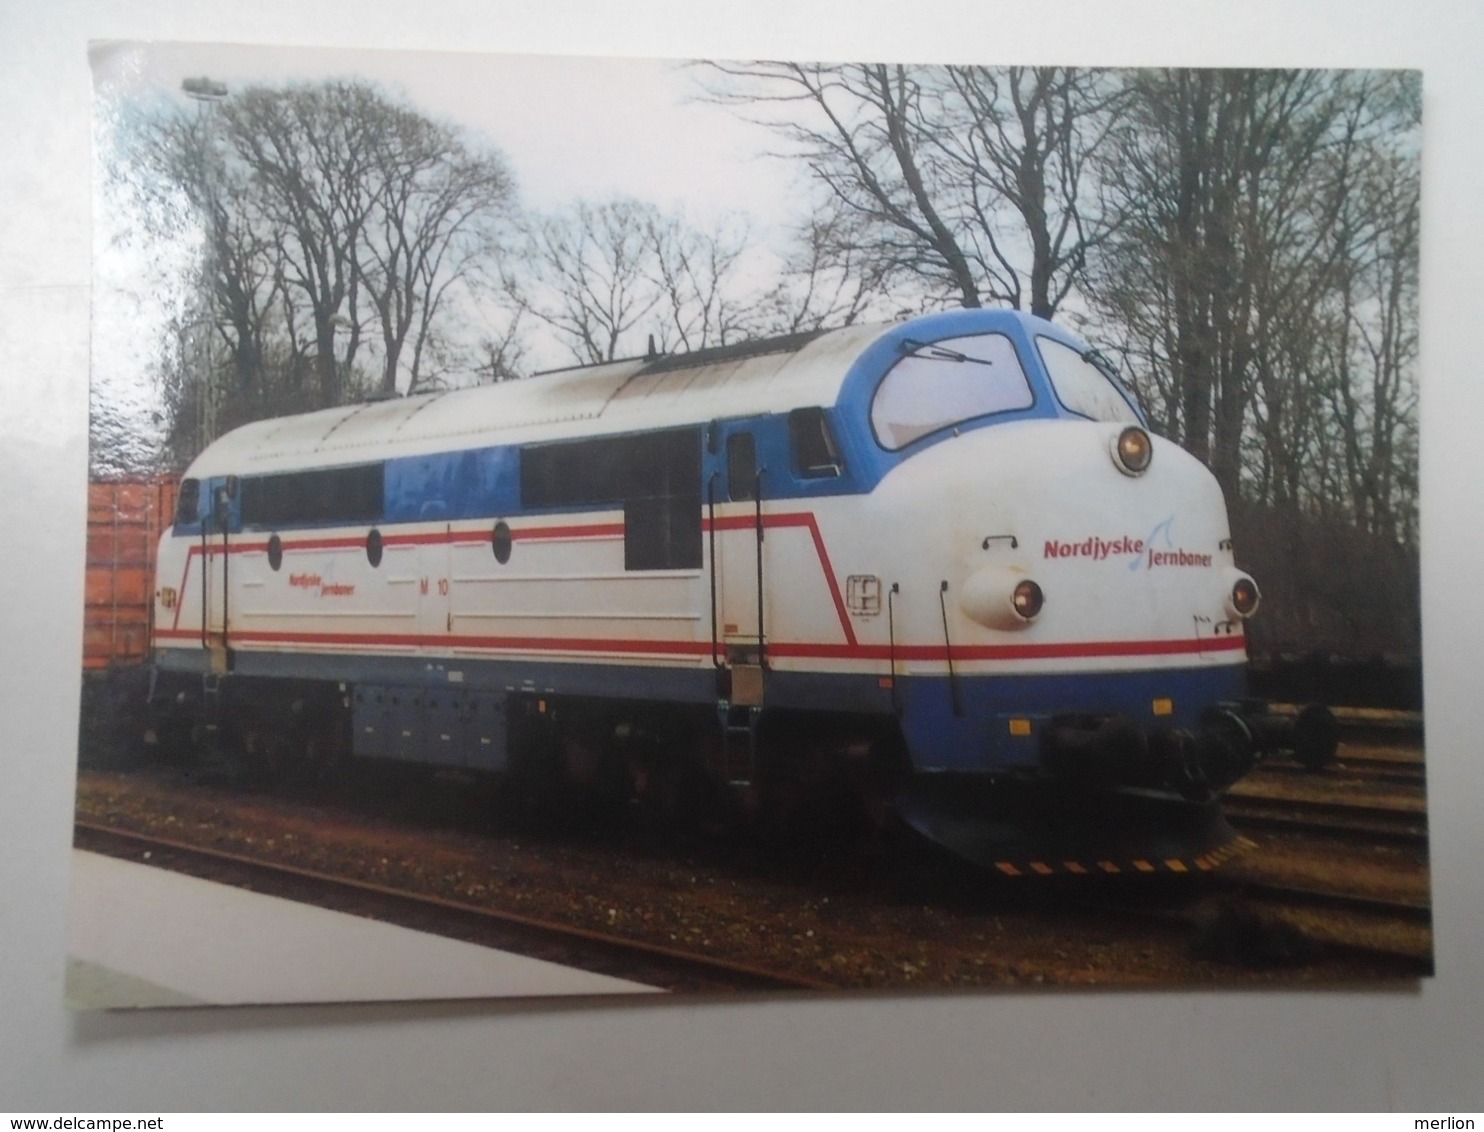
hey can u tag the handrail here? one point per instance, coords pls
(958, 706)
(716, 660)
(205, 586)
(891, 643)
(226, 581)
(758, 513)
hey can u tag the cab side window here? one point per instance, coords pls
(811, 444)
(741, 466)
(188, 503)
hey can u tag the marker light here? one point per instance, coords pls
(1132, 451)
(1245, 597)
(1028, 599)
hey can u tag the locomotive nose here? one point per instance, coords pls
(1140, 549)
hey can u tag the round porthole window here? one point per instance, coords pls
(500, 540)
(275, 552)
(373, 547)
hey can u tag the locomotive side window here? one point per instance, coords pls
(662, 505)
(1083, 386)
(188, 504)
(656, 477)
(941, 384)
(741, 466)
(325, 497)
(662, 533)
(812, 446)
(575, 473)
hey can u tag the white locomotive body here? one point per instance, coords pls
(948, 547)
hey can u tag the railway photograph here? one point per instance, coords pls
(728, 526)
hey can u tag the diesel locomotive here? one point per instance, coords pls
(942, 566)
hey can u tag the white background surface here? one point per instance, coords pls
(1327, 1049)
(247, 947)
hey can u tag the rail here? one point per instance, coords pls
(681, 969)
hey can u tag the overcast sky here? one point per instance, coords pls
(569, 127)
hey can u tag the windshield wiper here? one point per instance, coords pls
(912, 347)
(1101, 362)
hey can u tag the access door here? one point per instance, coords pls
(740, 548)
(433, 555)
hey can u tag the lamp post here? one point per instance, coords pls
(204, 89)
(206, 93)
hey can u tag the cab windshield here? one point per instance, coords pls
(1085, 384)
(941, 384)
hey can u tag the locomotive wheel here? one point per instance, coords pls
(179, 742)
(821, 800)
(320, 729)
(673, 778)
(252, 742)
(556, 776)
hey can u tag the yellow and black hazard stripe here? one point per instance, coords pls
(1133, 866)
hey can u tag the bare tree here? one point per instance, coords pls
(436, 217)
(338, 228)
(172, 181)
(1022, 139)
(1223, 232)
(593, 267)
(503, 350)
(611, 278)
(967, 181)
(832, 279)
(1263, 284)
(856, 128)
(1374, 392)
(694, 270)
(307, 152)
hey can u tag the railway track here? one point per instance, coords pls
(1371, 726)
(1349, 767)
(668, 968)
(860, 899)
(1347, 923)
(1338, 820)
(1297, 896)
(1265, 924)
(1392, 729)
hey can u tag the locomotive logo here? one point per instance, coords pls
(1160, 529)
(321, 586)
(1094, 548)
(1173, 556)
(1142, 553)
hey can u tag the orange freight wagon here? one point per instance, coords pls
(125, 520)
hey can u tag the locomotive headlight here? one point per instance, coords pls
(1132, 451)
(1000, 597)
(1243, 599)
(1027, 599)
